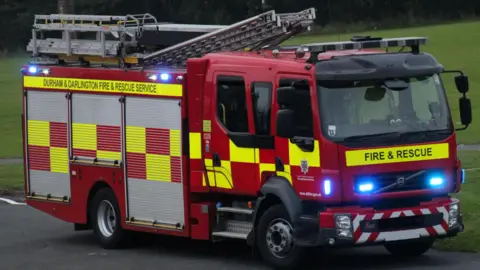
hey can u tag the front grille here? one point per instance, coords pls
(383, 180)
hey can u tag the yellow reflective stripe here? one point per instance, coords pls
(209, 164)
(195, 145)
(239, 154)
(110, 155)
(220, 177)
(211, 179)
(136, 140)
(296, 155)
(223, 175)
(175, 143)
(59, 159)
(38, 133)
(158, 167)
(286, 173)
(104, 86)
(266, 167)
(84, 136)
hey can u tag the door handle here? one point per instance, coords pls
(216, 160)
(279, 165)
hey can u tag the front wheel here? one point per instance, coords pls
(274, 239)
(409, 249)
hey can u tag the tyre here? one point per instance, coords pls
(410, 248)
(106, 218)
(274, 239)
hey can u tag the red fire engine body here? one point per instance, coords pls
(222, 149)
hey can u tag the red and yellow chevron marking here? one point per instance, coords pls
(47, 146)
(154, 154)
(97, 141)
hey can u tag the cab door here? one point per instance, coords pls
(298, 159)
(229, 149)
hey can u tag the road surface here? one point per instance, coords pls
(32, 240)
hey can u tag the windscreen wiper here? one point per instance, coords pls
(387, 135)
(429, 133)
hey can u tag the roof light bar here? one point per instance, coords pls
(375, 43)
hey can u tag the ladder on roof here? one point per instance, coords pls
(121, 39)
(267, 29)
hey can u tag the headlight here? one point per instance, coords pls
(453, 214)
(453, 210)
(343, 222)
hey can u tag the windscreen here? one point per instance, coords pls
(352, 109)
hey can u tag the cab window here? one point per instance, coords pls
(231, 103)
(303, 112)
(262, 104)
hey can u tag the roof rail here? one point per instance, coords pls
(358, 43)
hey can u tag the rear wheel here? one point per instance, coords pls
(274, 239)
(105, 217)
(410, 248)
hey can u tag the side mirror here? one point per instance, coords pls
(286, 96)
(465, 107)
(286, 123)
(461, 81)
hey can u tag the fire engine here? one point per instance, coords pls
(216, 132)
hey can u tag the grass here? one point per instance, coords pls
(454, 45)
(469, 240)
(10, 108)
(11, 177)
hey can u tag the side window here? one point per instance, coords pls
(303, 111)
(262, 104)
(232, 103)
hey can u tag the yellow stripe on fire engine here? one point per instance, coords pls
(38, 133)
(104, 86)
(59, 159)
(84, 136)
(136, 139)
(296, 155)
(397, 154)
(195, 145)
(175, 143)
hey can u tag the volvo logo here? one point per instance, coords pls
(400, 181)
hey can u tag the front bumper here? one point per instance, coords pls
(367, 226)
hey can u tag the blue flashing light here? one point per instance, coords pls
(164, 77)
(463, 176)
(436, 181)
(327, 187)
(32, 70)
(365, 187)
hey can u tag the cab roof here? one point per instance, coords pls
(319, 52)
(287, 56)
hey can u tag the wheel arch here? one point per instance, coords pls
(276, 190)
(99, 185)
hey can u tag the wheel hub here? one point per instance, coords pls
(279, 237)
(106, 218)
